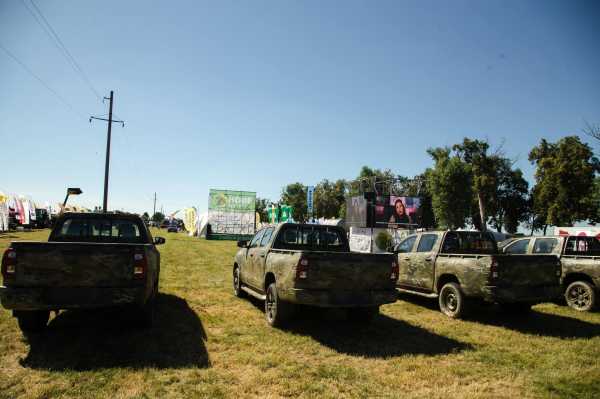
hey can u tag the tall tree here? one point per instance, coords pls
(295, 195)
(369, 180)
(564, 182)
(482, 168)
(330, 199)
(592, 130)
(512, 199)
(596, 218)
(449, 184)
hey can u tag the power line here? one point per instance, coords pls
(50, 89)
(58, 43)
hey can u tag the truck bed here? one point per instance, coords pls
(74, 264)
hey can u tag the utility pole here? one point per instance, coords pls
(154, 211)
(107, 163)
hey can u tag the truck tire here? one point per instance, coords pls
(452, 301)
(581, 296)
(237, 283)
(33, 320)
(363, 314)
(277, 312)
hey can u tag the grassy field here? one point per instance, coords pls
(207, 343)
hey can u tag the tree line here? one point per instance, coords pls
(469, 184)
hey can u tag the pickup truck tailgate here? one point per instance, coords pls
(349, 270)
(52, 264)
(528, 270)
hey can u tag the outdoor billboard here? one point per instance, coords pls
(383, 211)
(394, 211)
(231, 213)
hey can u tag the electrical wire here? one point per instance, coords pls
(58, 43)
(50, 89)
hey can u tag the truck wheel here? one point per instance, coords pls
(452, 301)
(580, 295)
(33, 320)
(363, 314)
(237, 283)
(277, 312)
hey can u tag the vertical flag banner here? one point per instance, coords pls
(310, 192)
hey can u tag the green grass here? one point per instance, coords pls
(207, 343)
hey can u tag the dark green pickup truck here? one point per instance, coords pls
(307, 264)
(90, 260)
(458, 267)
(580, 260)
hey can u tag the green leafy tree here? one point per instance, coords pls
(158, 217)
(384, 241)
(596, 218)
(295, 195)
(512, 198)
(330, 199)
(449, 184)
(369, 180)
(483, 176)
(564, 182)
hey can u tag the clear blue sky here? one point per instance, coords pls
(255, 95)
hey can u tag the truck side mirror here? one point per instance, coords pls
(242, 244)
(159, 240)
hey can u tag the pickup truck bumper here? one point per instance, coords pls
(53, 298)
(327, 298)
(531, 295)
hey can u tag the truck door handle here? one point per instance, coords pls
(251, 255)
(262, 255)
(406, 258)
(428, 259)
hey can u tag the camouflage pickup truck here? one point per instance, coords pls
(458, 267)
(90, 260)
(312, 265)
(580, 260)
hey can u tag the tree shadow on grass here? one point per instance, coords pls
(383, 337)
(106, 338)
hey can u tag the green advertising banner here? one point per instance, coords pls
(283, 213)
(233, 201)
(231, 214)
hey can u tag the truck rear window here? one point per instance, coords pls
(98, 230)
(469, 243)
(583, 246)
(311, 237)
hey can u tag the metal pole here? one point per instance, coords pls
(106, 167)
(154, 211)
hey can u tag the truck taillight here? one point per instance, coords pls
(302, 269)
(494, 269)
(140, 265)
(395, 271)
(9, 263)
